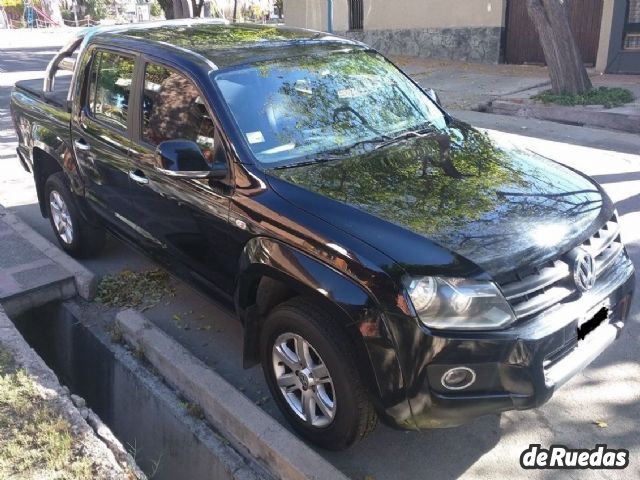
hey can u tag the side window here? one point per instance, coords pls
(109, 89)
(173, 109)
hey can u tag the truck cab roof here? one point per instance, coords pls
(223, 44)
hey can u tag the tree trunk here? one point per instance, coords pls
(197, 7)
(235, 10)
(551, 20)
(167, 8)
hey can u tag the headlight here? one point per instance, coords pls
(458, 303)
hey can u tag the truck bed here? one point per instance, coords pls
(57, 98)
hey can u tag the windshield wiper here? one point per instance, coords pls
(419, 133)
(348, 149)
(313, 161)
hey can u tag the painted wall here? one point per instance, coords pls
(469, 30)
(313, 14)
(398, 14)
(605, 36)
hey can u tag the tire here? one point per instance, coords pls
(75, 235)
(346, 415)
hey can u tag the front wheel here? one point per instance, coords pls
(309, 366)
(74, 234)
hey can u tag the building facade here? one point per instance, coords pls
(488, 31)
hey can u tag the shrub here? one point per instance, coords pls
(608, 97)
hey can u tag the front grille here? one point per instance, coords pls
(540, 288)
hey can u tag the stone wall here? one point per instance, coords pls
(473, 44)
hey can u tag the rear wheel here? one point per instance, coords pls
(308, 363)
(75, 235)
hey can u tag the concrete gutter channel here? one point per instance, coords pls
(97, 440)
(34, 272)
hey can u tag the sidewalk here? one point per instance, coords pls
(36, 37)
(507, 90)
(46, 432)
(33, 271)
(625, 118)
(469, 86)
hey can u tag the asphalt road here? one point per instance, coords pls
(607, 391)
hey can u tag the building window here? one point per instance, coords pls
(356, 14)
(632, 26)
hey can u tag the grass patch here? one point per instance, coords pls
(35, 441)
(7, 365)
(608, 97)
(129, 289)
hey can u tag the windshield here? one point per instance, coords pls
(299, 108)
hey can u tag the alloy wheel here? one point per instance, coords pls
(61, 217)
(304, 380)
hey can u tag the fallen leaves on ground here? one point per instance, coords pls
(129, 289)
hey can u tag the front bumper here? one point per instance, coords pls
(520, 367)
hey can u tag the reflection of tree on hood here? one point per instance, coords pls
(464, 192)
(426, 184)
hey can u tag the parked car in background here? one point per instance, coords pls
(386, 260)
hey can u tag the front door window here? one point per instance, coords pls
(172, 109)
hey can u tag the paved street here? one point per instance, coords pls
(608, 391)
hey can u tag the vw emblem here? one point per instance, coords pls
(584, 271)
(304, 380)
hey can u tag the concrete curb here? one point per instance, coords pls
(582, 116)
(20, 303)
(85, 281)
(233, 414)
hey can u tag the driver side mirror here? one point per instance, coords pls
(184, 159)
(431, 93)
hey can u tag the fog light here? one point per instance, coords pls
(458, 378)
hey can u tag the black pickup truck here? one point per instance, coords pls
(386, 260)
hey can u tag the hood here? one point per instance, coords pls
(473, 193)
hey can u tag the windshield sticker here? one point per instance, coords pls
(255, 137)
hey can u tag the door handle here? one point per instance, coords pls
(80, 144)
(138, 177)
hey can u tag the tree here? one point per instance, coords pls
(197, 7)
(167, 7)
(155, 9)
(561, 52)
(279, 7)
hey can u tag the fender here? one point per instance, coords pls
(55, 146)
(360, 313)
(46, 140)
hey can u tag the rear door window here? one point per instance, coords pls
(110, 87)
